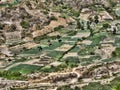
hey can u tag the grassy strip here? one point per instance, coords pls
(25, 68)
(12, 75)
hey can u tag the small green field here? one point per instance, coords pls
(25, 68)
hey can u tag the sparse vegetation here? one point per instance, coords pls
(24, 24)
(12, 75)
(116, 53)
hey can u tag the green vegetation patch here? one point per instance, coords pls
(116, 53)
(55, 54)
(71, 61)
(31, 51)
(53, 46)
(114, 85)
(117, 12)
(96, 86)
(109, 59)
(97, 38)
(71, 33)
(25, 68)
(24, 24)
(76, 49)
(49, 69)
(67, 87)
(117, 41)
(12, 75)
(66, 38)
(88, 50)
(87, 61)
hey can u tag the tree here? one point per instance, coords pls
(106, 25)
(82, 28)
(40, 48)
(82, 25)
(114, 30)
(24, 48)
(96, 19)
(90, 20)
(88, 25)
(59, 38)
(77, 88)
(53, 18)
(113, 3)
(78, 24)
(9, 60)
(49, 43)
(91, 32)
(1, 26)
(13, 27)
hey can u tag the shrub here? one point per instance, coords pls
(75, 13)
(71, 61)
(53, 68)
(96, 86)
(72, 33)
(116, 87)
(55, 54)
(116, 53)
(25, 68)
(106, 25)
(12, 75)
(58, 28)
(64, 88)
(53, 18)
(24, 24)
